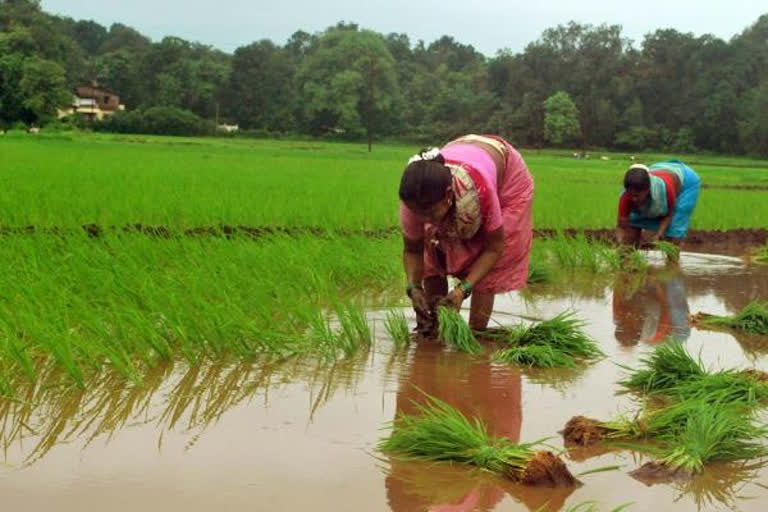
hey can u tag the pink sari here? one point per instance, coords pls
(509, 206)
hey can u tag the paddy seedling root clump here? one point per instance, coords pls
(753, 319)
(583, 431)
(439, 432)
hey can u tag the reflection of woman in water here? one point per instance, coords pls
(476, 388)
(654, 312)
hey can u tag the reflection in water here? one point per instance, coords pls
(720, 485)
(477, 388)
(171, 397)
(650, 308)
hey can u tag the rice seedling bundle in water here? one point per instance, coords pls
(439, 432)
(667, 366)
(706, 416)
(668, 249)
(684, 434)
(671, 370)
(397, 327)
(454, 330)
(558, 342)
(709, 433)
(752, 319)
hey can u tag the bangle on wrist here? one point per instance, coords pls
(411, 286)
(466, 288)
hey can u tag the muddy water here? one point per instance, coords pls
(301, 437)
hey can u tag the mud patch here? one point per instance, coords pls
(733, 241)
(583, 431)
(758, 375)
(546, 470)
(652, 473)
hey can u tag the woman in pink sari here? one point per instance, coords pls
(466, 212)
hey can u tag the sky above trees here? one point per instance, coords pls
(488, 26)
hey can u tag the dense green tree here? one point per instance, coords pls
(44, 88)
(674, 91)
(561, 119)
(261, 89)
(753, 126)
(348, 82)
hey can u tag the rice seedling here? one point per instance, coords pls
(440, 432)
(579, 253)
(320, 184)
(666, 367)
(539, 271)
(723, 432)
(753, 318)
(397, 327)
(557, 342)
(670, 370)
(669, 250)
(454, 330)
(350, 335)
(535, 356)
(634, 261)
(684, 435)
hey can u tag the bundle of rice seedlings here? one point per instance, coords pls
(439, 432)
(671, 370)
(397, 327)
(539, 272)
(668, 249)
(454, 330)
(558, 342)
(685, 435)
(745, 386)
(667, 366)
(535, 356)
(752, 319)
(631, 260)
(712, 433)
(350, 337)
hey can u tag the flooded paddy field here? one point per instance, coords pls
(299, 434)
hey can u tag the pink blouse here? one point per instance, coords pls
(483, 171)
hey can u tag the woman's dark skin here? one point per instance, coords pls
(436, 287)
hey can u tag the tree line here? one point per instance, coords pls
(577, 85)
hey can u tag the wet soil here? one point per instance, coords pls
(737, 187)
(583, 431)
(731, 241)
(714, 241)
(758, 375)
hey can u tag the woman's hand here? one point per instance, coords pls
(419, 301)
(453, 300)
